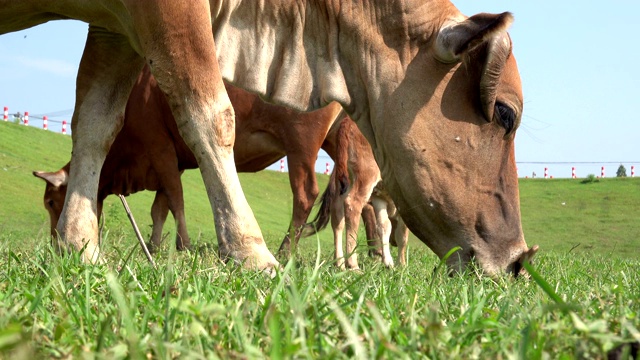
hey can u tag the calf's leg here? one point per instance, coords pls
(159, 212)
(384, 226)
(401, 236)
(304, 187)
(371, 229)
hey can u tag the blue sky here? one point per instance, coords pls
(577, 61)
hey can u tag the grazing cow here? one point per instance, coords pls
(149, 154)
(355, 181)
(437, 94)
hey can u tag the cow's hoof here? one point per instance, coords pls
(254, 255)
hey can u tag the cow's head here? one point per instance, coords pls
(448, 155)
(54, 194)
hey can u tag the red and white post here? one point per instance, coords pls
(45, 121)
(633, 171)
(602, 172)
(326, 170)
(546, 173)
(64, 126)
(6, 114)
(281, 165)
(26, 118)
(573, 172)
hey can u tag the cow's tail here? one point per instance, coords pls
(338, 182)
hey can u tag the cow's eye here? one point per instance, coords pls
(50, 203)
(505, 116)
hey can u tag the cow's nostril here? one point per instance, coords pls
(517, 267)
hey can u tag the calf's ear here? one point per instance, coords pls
(455, 38)
(56, 179)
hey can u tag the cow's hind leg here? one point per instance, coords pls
(108, 69)
(177, 41)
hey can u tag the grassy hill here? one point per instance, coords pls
(600, 217)
(559, 214)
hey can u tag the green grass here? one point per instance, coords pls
(595, 218)
(580, 303)
(195, 307)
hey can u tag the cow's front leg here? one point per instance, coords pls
(181, 54)
(108, 69)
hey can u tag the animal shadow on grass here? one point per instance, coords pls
(625, 351)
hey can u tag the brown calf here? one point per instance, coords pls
(354, 183)
(149, 154)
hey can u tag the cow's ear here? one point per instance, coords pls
(56, 179)
(456, 38)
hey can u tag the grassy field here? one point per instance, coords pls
(584, 303)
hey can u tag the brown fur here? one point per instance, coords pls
(149, 154)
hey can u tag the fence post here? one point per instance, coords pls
(6, 113)
(45, 119)
(546, 172)
(326, 170)
(26, 118)
(602, 172)
(64, 126)
(633, 171)
(573, 172)
(281, 165)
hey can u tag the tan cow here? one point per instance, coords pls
(436, 94)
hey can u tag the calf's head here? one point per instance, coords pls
(54, 194)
